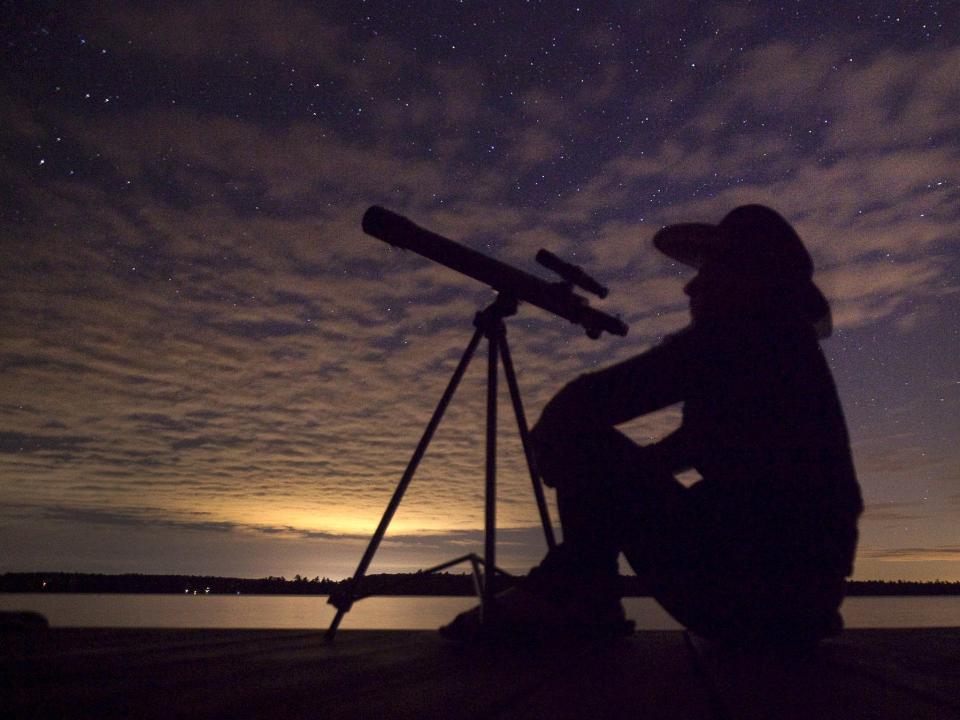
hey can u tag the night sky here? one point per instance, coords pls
(207, 367)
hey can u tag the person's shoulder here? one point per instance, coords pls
(694, 338)
(681, 341)
(683, 335)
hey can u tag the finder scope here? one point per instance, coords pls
(571, 273)
(555, 297)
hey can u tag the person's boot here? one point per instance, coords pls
(549, 603)
(523, 615)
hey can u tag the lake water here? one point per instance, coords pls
(392, 613)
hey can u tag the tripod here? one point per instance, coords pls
(488, 323)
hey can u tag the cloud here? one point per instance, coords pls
(905, 454)
(14, 442)
(189, 32)
(948, 553)
(888, 512)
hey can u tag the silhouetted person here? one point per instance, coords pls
(759, 548)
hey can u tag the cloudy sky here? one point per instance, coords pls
(207, 367)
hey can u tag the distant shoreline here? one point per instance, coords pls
(443, 584)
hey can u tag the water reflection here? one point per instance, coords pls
(390, 613)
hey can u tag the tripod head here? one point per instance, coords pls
(556, 297)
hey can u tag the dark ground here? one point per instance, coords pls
(64, 672)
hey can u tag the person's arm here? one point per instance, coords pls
(650, 381)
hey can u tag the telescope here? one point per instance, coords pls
(555, 297)
(512, 286)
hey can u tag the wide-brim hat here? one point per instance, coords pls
(756, 245)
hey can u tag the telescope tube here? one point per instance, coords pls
(556, 298)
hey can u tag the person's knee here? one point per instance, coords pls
(562, 460)
(600, 457)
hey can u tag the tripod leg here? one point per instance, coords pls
(490, 520)
(343, 603)
(525, 441)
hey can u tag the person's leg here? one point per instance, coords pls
(585, 476)
(608, 502)
(704, 565)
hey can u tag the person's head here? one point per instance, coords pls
(752, 261)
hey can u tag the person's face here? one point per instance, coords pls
(715, 294)
(702, 291)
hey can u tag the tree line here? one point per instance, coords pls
(419, 583)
